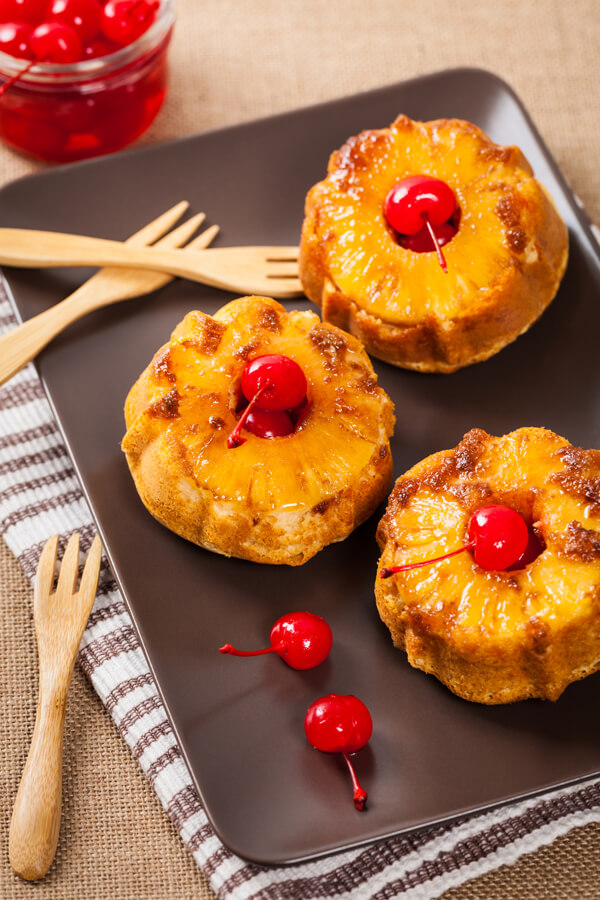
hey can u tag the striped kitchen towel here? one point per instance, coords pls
(40, 496)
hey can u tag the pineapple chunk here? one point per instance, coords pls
(496, 637)
(504, 264)
(277, 500)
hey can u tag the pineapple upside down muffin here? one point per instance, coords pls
(368, 258)
(533, 627)
(275, 476)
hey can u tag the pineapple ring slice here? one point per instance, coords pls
(497, 637)
(505, 263)
(277, 500)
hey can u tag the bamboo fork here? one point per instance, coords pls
(60, 619)
(109, 285)
(272, 271)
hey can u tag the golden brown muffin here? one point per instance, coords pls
(505, 262)
(277, 500)
(497, 637)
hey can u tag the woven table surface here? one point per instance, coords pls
(234, 61)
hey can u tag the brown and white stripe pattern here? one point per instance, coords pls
(40, 496)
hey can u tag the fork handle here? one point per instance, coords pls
(23, 343)
(35, 820)
(32, 249)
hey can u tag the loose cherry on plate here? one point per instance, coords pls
(273, 384)
(498, 536)
(124, 21)
(420, 202)
(340, 723)
(302, 639)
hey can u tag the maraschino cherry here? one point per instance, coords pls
(67, 31)
(531, 552)
(268, 423)
(55, 42)
(99, 27)
(417, 207)
(50, 42)
(272, 385)
(82, 15)
(342, 724)
(124, 21)
(498, 537)
(96, 49)
(14, 39)
(302, 639)
(421, 241)
(31, 11)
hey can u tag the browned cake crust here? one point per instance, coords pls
(497, 637)
(505, 263)
(271, 501)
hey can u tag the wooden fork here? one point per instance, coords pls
(60, 618)
(109, 285)
(271, 271)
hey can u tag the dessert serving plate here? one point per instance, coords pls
(269, 795)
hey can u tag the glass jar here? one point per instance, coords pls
(63, 113)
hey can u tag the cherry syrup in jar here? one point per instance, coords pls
(71, 111)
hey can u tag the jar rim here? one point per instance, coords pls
(92, 68)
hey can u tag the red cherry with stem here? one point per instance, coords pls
(340, 723)
(124, 21)
(282, 377)
(50, 42)
(82, 15)
(235, 439)
(302, 639)
(14, 39)
(421, 241)
(413, 198)
(498, 537)
(272, 382)
(98, 48)
(268, 423)
(530, 553)
(31, 11)
(54, 42)
(420, 201)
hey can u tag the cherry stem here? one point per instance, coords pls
(19, 75)
(235, 439)
(385, 573)
(438, 249)
(360, 795)
(231, 651)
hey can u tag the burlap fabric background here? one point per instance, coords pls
(234, 60)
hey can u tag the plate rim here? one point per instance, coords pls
(586, 228)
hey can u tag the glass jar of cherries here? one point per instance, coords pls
(79, 78)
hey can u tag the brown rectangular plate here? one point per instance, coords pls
(270, 796)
